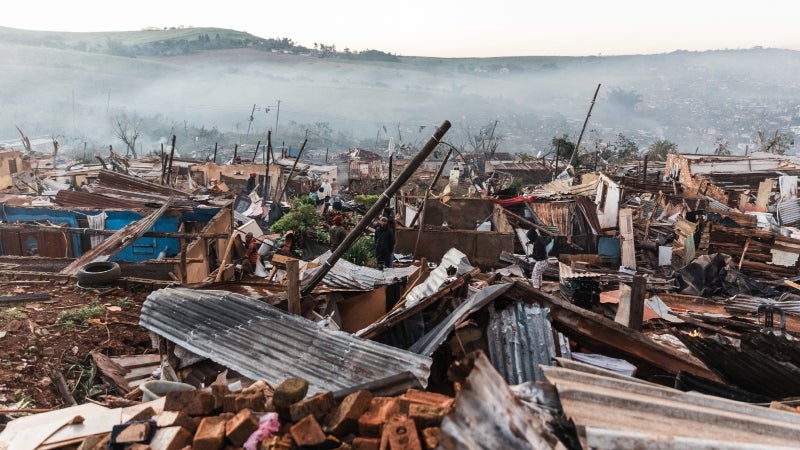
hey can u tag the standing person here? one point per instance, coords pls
(337, 232)
(250, 254)
(539, 255)
(327, 189)
(384, 243)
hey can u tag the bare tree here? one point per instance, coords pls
(484, 140)
(25, 142)
(127, 129)
(779, 143)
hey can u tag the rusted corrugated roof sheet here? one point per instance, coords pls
(120, 181)
(612, 403)
(263, 342)
(520, 339)
(77, 199)
(760, 363)
(487, 414)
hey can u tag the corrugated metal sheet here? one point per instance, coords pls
(346, 275)
(520, 339)
(263, 342)
(612, 403)
(437, 277)
(488, 415)
(76, 199)
(427, 344)
(566, 272)
(789, 213)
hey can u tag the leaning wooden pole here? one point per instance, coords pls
(585, 121)
(430, 188)
(278, 195)
(425, 201)
(383, 200)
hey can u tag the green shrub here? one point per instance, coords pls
(366, 200)
(362, 252)
(302, 217)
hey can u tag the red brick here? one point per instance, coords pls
(307, 432)
(210, 434)
(318, 406)
(426, 416)
(240, 427)
(193, 403)
(430, 437)
(366, 443)
(171, 438)
(345, 418)
(428, 398)
(380, 409)
(166, 419)
(253, 401)
(130, 432)
(401, 433)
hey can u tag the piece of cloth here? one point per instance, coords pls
(537, 272)
(97, 222)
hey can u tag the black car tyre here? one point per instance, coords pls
(102, 273)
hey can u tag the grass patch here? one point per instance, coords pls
(10, 314)
(71, 318)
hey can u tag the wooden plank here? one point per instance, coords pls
(293, 289)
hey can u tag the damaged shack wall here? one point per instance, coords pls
(10, 163)
(14, 214)
(483, 248)
(459, 213)
(144, 247)
(201, 254)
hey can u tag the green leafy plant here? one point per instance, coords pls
(302, 217)
(74, 317)
(366, 199)
(362, 252)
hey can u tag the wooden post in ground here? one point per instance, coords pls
(293, 289)
(637, 302)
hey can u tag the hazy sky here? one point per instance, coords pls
(449, 28)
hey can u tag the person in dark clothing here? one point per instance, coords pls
(384, 243)
(337, 232)
(538, 244)
(251, 256)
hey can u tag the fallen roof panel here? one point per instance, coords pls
(614, 404)
(263, 342)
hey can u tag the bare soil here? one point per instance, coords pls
(42, 338)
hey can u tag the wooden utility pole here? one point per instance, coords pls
(171, 156)
(585, 121)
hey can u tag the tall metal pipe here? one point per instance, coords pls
(383, 200)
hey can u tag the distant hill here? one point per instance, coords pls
(201, 84)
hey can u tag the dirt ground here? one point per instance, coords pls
(56, 334)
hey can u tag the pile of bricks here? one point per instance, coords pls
(218, 418)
